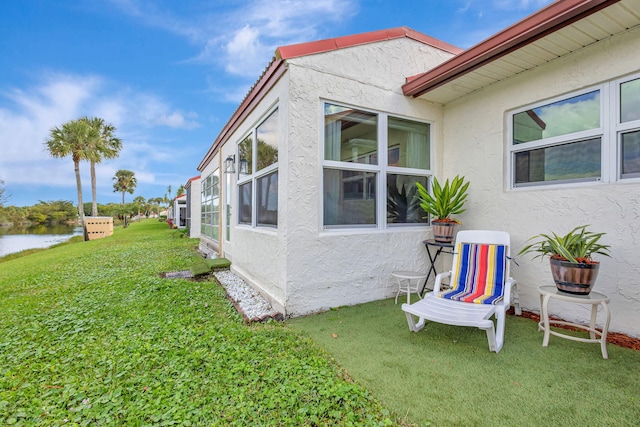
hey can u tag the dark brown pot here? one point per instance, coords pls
(574, 278)
(444, 232)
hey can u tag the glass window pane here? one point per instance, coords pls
(631, 154)
(630, 101)
(267, 134)
(350, 135)
(267, 209)
(409, 143)
(567, 162)
(245, 156)
(571, 115)
(244, 201)
(349, 197)
(403, 206)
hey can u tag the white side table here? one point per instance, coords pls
(594, 298)
(404, 280)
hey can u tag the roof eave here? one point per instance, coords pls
(546, 21)
(269, 78)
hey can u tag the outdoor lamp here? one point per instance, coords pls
(244, 166)
(229, 164)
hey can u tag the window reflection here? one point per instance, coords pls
(630, 101)
(575, 114)
(350, 135)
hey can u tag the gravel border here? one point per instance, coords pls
(249, 302)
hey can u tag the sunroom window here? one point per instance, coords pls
(210, 207)
(258, 169)
(371, 164)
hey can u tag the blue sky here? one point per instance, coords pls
(169, 74)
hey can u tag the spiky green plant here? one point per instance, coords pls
(447, 199)
(577, 246)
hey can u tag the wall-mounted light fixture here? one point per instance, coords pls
(229, 164)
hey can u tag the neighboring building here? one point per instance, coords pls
(177, 212)
(543, 119)
(192, 189)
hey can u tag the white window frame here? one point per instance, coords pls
(610, 132)
(210, 211)
(254, 176)
(381, 169)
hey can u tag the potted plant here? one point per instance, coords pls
(447, 200)
(572, 266)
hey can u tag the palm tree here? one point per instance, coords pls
(73, 139)
(125, 182)
(105, 146)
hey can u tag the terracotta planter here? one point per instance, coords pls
(574, 278)
(444, 232)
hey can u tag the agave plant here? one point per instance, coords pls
(401, 204)
(577, 246)
(447, 199)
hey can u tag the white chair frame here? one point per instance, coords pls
(459, 313)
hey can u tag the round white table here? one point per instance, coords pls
(408, 281)
(594, 299)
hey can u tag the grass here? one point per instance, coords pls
(446, 376)
(90, 334)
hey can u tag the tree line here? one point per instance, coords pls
(65, 212)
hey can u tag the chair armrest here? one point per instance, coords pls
(439, 277)
(508, 285)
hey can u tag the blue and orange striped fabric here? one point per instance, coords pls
(480, 277)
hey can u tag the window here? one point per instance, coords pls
(210, 208)
(259, 148)
(572, 140)
(371, 164)
(630, 128)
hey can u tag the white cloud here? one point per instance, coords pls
(28, 114)
(247, 50)
(243, 40)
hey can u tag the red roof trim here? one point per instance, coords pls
(276, 69)
(546, 21)
(320, 46)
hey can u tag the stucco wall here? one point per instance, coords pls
(329, 268)
(475, 141)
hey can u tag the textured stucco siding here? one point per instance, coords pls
(476, 146)
(258, 253)
(329, 268)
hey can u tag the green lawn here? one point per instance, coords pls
(446, 376)
(90, 334)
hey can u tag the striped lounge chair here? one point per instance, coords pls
(480, 287)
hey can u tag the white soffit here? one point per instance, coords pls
(605, 23)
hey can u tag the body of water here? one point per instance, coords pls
(16, 239)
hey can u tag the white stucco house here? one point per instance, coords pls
(300, 188)
(177, 211)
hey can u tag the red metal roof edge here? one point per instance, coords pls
(190, 180)
(327, 45)
(275, 70)
(266, 81)
(547, 20)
